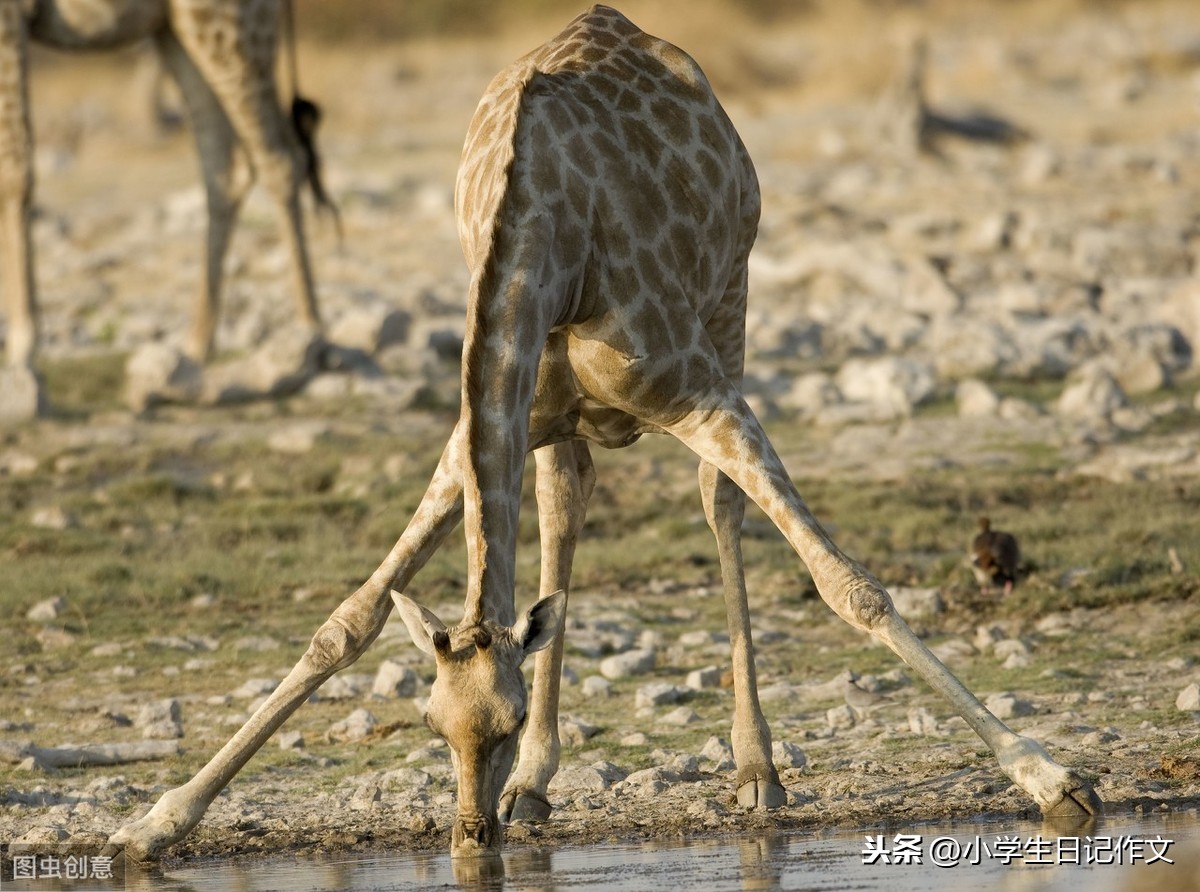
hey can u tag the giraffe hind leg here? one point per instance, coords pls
(225, 185)
(758, 784)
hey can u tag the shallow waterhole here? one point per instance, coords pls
(1016, 855)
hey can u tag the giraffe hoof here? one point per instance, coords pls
(525, 805)
(1078, 801)
(759, 787)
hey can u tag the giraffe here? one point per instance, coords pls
(222, 55)
(606, 208)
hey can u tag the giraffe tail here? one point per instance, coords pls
(306, 116)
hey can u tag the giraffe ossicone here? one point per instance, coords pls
(606, 208)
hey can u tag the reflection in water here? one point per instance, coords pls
(820, 861)
(761, 859)
(482, 872)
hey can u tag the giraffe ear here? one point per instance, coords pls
(424, 627)
(537, 628)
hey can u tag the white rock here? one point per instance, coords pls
(658, 693)
(1182, 310)
(841, 717)
(371, 328)
(1017, 661)
(1139, 373)
(394, 680)
(290, 740)
(975, 399)
(781, 690)
(158, 373)
(596, 686)
(299, 438)
(255, 687)
(406, 779)
(435, 749)
(1009, 647)
(579, 779)
(365, 797)
(987, 636)
(1091, 393)
(17, 463)
(20, 395)
(922, 722)
(966, 346)
(160, 720)
(699, 638)
(917, 602)
(646, 783)
(953, 650)
(256, 643)
(45, 611)
(1189, 698)
(718, 751)
(810, 394)
(681, 716)
(892, 384)
(786, 754)
(344, 686)
(356, 726)
(281, 366)
(700, 679)
(631, 662)
(1008, 706)
(573, 731)
(53, 517)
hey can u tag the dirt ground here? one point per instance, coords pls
(197, 547)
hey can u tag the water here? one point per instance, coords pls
(817, 861)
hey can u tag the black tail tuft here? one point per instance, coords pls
(306, 116)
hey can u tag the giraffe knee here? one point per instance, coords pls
(333, 648)
(867, 604)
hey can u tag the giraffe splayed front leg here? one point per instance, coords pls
(726, 433)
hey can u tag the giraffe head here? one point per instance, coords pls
(477, 705)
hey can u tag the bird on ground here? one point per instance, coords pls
(994, 558)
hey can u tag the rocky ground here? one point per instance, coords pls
(940, 325)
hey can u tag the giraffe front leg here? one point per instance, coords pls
(758, 784)
(341, 640)
(565, 478)
(16, 190)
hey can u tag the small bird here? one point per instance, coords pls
(994, 558)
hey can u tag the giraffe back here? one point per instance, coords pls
(615, 136)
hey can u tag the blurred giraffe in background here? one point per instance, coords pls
(222, 55)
